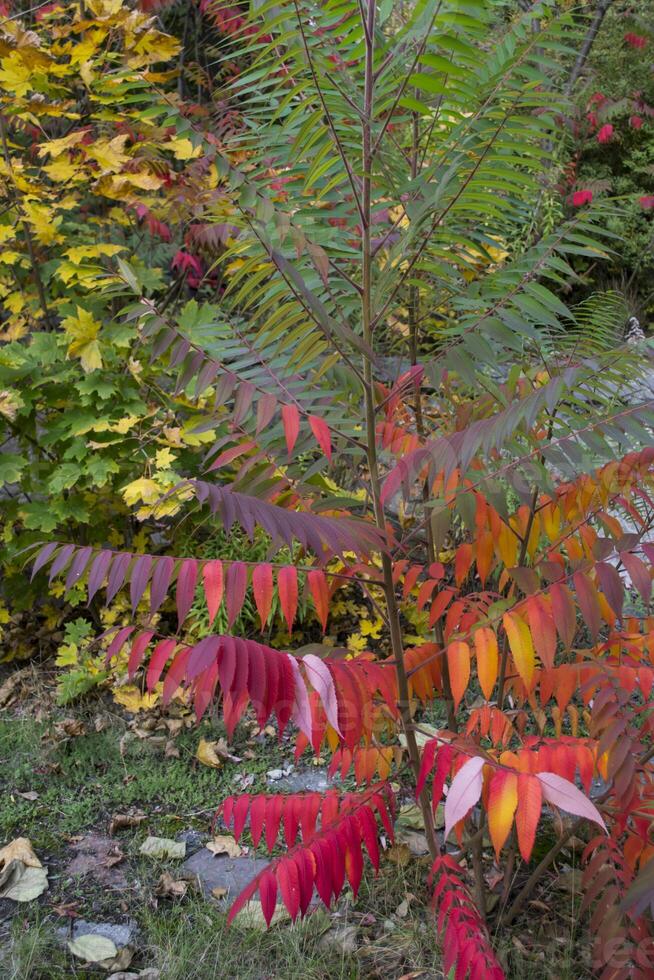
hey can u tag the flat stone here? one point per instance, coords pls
(121, 934)
(193, 839)
(232, 874)
(314, 780)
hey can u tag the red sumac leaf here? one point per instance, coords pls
(288, 590)
(161, 576)
(212, 578)
(320, 595)
(139, 579)
(464, 793)
(158, 661)
(291, 423)
(44, 556)
(320, 430)
(262, 587)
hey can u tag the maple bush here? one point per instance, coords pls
(399, 401)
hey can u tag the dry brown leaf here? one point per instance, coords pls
(11, 685)
(19, 849)
(399, 854)
(171, 751)
(114, 857)
(219, 892)
(69, 728)
(214, 754)
(223, 844)
(121, 820)
(30, 795)
(169, 887)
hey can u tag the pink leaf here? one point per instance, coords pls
(301, 712)
(465, 790)
(322, 682)
(565, 795)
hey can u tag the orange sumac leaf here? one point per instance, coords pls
(530, 801)
(487, 659)
(543, 630)
(521, 646)
(458, 661)
(502, 804)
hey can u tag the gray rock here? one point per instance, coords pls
(121, 934)
(232, 874)
(306, 780)
(193, 839)
(274, 774)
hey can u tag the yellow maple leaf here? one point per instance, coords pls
(82, 252)
(61, 170)
(110, 154)
(56, 147)
(164, 459)
(43, 221)
(15, 74)
(83, 332)
(142, 489)
(133, 701)
(183, 149)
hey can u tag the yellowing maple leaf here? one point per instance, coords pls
(110, 154)
(82, 252)
(15, 75)
(56, 147)
(183, 149)
(164, 459)
(142, 489)
(43, 221)
(83, 331)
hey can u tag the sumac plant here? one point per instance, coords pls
(378, 329)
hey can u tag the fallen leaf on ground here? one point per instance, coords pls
(93, 948)
(21, 883)
(162, 847)
(224, 845)
(120, 820)
(20, 849)
(410, 815)
(131, 698)
(10, 686)
(69, 728)
(416, 842)
(219, 892)
(30, 795)
(214, 754)
(399, 854)
(171, 751)
(66, 909)
(114, 857)
(169, 887)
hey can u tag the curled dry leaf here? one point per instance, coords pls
(19, 849)
(171, 751)
(223, 844)
(69, 728)
(214, 754)
(31, 795)
(22, 883)
(169, 887)
(121, 820)
(11, 685)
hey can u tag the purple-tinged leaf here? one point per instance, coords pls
(116, 644)
(98, 572)
(235, 586)
(266, 407)
(638, 573)
(44, 556)
(186, 581)
(78, 567)
(612, 586)
(161, 576)
(61, 560)
(117, 574)
(140, 576)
